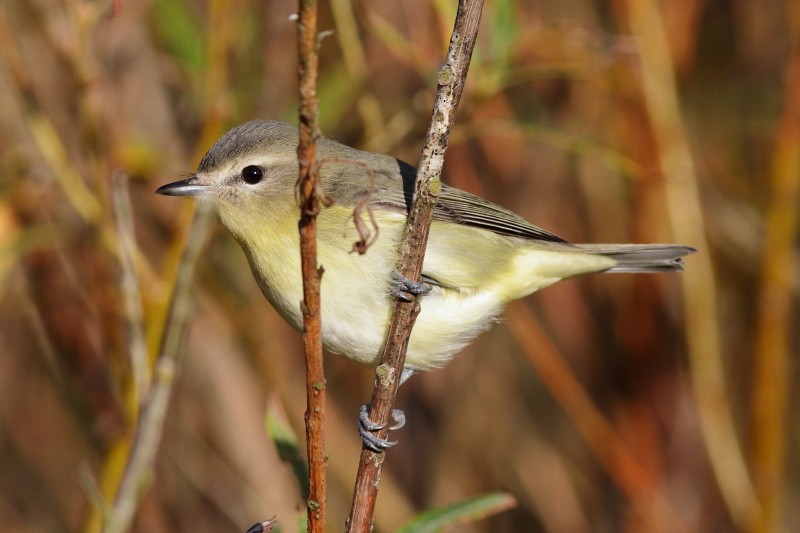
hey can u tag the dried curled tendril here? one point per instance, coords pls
(368, 230)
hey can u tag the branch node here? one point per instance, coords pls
(385, 374)
(446, 76)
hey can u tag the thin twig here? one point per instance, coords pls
(450, 80)
(151, 424)
(131, 294)
(310, 198)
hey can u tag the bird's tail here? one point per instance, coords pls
(641, 257)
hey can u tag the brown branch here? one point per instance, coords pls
(309, 192)
(450, 81)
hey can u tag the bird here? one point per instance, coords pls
(479, 257)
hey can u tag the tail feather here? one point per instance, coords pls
(642, 257)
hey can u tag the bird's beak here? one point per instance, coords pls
(187, 187)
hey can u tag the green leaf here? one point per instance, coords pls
(182, 34)
(288, 447)
(302, 521)
(464, 512)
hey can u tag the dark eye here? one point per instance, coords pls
(252, 174)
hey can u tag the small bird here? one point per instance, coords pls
(479, 257)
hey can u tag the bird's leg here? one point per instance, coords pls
(405, 289)
(367, 427)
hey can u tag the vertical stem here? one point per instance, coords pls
(450, 82)
(660, 94)
(772, 356)
(149, 431)
(134, 315)
(308, 185)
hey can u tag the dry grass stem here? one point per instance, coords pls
(777, 305)
(621, 463)
(699, 285)
(134, 315)
(139, 468)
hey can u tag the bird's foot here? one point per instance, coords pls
(367, 427)
(406, 290)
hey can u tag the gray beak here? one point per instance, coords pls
(187, 187)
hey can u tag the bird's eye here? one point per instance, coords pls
(252, 174)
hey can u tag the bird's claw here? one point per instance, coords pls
(367, 427)
(405, 289)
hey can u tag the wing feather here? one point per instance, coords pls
(457, 206)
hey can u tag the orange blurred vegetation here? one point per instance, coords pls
(607, 403)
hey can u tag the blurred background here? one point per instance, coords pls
(605, 403)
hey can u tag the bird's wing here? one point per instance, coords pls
(389, 185)
(456, 206)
